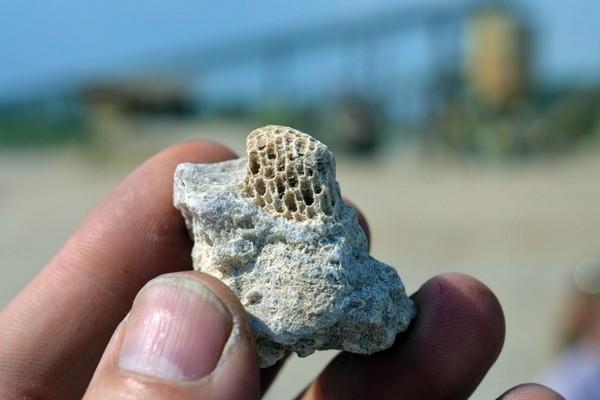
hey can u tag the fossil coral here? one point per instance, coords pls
(274, 228)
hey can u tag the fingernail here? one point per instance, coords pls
(175, 331)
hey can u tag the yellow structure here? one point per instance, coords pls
(499, 57)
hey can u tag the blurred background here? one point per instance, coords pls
(467, 131)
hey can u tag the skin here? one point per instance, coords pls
(61, 335)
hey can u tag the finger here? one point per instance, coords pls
(530, 391)
(268, 375)
(362, 221)
(455, 338)
(55, 331)
(186, 337)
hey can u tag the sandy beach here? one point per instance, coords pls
(519, 228)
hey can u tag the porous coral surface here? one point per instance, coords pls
(274, 228)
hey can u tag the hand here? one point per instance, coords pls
(68, 330)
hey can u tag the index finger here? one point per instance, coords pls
(455, 338)
(53, 333)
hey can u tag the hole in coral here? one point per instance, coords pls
(260, 142)
(272, 188)
(280, 185)
(253, 297)
(307, 194)
(318, 188)
(278, 206)
(281, 164)
(245, 223)
(269, 173)
(300, 147)
(271, 152)
(249, 191)
(254, 165)
(259, 184)
(292, 181)
(290, 203)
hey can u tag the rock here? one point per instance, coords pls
(274, 228)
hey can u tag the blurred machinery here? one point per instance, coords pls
(488, 116)
(502, 112)
(135, 97)
(110, 108)
(498, 64)
(356, 123)
(472, 92)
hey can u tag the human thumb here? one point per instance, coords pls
(186, 337)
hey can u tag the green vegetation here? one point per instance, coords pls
(24, 131)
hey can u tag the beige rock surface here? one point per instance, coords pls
(275, 229)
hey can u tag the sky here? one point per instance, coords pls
(59, 39)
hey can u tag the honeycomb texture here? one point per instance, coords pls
(274, 229)
(291, 174)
